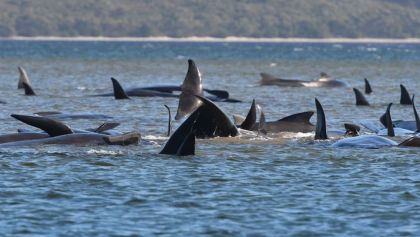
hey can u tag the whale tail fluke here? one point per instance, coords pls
(321, 124)
(360, 98)
(405, 96)
(187, 147)
(28, 89)
(119, 92)
(251, 118)
(182, 141)
(368, 88)
(50, 126)
(23, 77)
(389, 123)
(207, 121)
(191, 86)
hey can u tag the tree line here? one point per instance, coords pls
(216, 18)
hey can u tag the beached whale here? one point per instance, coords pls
(324, 81)
(363, 141)
(295, 123)
(191, 82)
(57, 132)
(413, 126)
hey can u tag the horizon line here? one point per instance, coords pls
(229, 39)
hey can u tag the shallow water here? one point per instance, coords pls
(250, 186)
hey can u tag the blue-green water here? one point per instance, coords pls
(283, 185)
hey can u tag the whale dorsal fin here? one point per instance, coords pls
(168, 133)
(405, 96)
(23, 77)
(106, 126)
(267, 77)
(321, 124)
(262, 126)
(119, 92)
(416, 115)
(389, 123)
(368, 88)
(360, 98)
(303, 117)
(251, 118)
(28, 89)
(190, 87)
(50, 126)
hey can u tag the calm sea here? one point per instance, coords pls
(285, 185)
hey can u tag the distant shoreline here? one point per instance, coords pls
(220, 40)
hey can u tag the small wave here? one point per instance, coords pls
(104, 152)
(153, 137)
(297, 135)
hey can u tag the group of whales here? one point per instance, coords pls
(206, 120)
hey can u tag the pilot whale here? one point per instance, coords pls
(413, 126)
(324, 81)
(299, 122)
(191, 80)
(59, 133)
(363, 141)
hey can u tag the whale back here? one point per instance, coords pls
(303, 117)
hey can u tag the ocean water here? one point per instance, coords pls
(281, 185)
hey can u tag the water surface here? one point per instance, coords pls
(252, 186)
